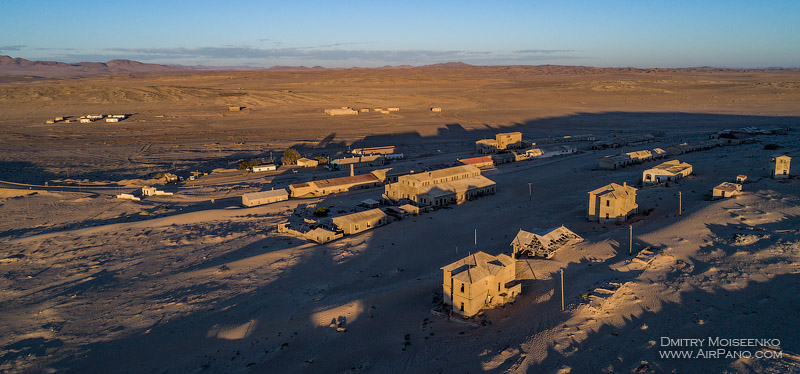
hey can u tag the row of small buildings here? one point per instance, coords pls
(613, 162)
(348, 111)
(89, 118)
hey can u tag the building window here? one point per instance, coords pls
(462, 307)
(462, 287)
(608, 202)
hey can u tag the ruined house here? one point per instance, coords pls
(543, 243)
(478, 281)
(781, 169)
(726, 189)
(612, 203)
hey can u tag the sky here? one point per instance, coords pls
(641, 33)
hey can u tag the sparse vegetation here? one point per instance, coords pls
(321, 211)
(244, 165)
(290, 156)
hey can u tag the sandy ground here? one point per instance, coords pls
(89, 283)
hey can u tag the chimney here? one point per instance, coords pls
(352, 170)
(624, 184)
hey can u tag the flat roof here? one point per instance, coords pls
(266, 194)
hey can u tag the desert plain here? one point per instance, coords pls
(194, 282)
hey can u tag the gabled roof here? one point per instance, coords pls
(478, 266)
(476, 160)
(614, 191)
(355, 218)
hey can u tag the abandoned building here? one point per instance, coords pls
(501, 141)
(478, 281)
(261, 168)
(781, 169)
(264, 197)
(310, 230)
(127, 196)
(358, 161)
(543, 243)
(668, 171)
(343, 111)
(726, 189)
(355, 223)
(503, 157)
(658, 153)
(441, 187)
(152, 191)
(324, 187)
(390, 175)
(556, 150)
(307, 162)
(482, 162)
(638, 157)
(388, 152)
(612, 203)
(613, 162)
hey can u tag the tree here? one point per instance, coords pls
(290, 156)
(244, 165)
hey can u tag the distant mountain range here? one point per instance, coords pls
(20, 66)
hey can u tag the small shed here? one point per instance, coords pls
(436, 109)
(741, 178)
(307, 162)
(235, 108)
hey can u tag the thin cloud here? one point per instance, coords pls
(12, 48)
(321, 55)
(545, 51)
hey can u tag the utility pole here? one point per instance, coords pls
(680, 203)
(630, 243)
(530, 192)
(476, 238)
(562, 289)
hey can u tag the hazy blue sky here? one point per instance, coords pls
(666, 33)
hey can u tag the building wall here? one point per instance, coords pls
(604, 209)
(479, 294)
(350, 228)
(262, 201)
(781, 168)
